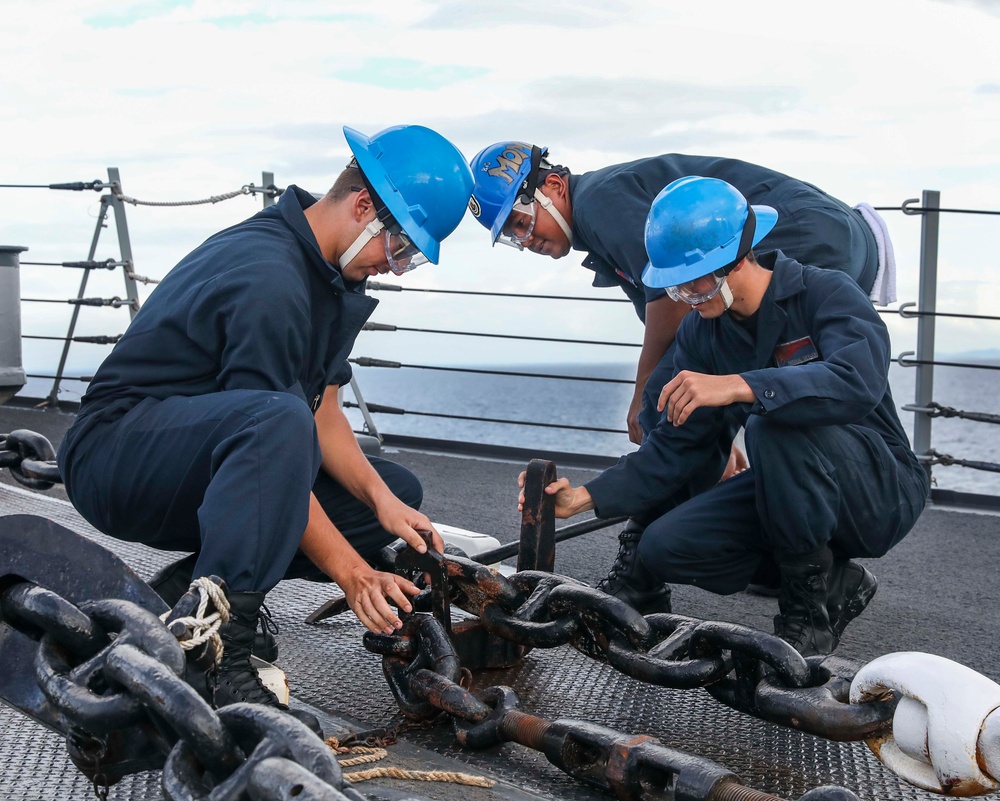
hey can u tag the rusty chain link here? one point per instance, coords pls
(422, 668)
(747, 669)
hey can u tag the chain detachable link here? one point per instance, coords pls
(946, 732)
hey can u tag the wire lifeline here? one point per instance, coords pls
(376, 408)
(245, 190)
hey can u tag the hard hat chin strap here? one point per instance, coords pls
(372, 230)
(726, 293)
(547, 204)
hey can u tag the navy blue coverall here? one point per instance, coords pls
(830, 461)
(197, 432)
(610, 206)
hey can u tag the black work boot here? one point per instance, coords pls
(803, 621)
(172, 581)
(852, 586)
(236, 679)
(630, 581)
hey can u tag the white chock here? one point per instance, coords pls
(946, 729)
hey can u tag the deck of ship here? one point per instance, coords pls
(938, 593)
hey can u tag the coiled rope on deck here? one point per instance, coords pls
(366, 754)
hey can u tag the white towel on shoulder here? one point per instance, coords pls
(884, 289)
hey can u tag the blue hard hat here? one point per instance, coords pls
(695, 227)
(501, 172)
(420, 176)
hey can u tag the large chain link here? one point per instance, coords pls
(423, 670)
(946, 733)
(30, 458)
(115, 677)
(752, 671)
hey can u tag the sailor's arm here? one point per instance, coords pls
(367, 590)
(663, 317)
(346, 464)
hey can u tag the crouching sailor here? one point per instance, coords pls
(214, 425)
(800, 358)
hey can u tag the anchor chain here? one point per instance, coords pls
(746, 669)
(112, 679)
(30, 458)
(423, 671)
(751, 671)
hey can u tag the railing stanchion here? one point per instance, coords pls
(927, 302)
(102, 216)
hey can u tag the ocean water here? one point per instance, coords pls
(602, 405)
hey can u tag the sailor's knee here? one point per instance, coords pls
(282, 413)
(661, 555)
(768, 442)
(403, 483)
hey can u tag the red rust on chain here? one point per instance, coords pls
(528, 730)
(734, 791)
(619, 767)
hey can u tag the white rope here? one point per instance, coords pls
(246, 190)
(202, 628)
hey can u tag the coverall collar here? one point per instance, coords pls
(291, 206)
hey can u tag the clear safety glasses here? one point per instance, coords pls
(401, 253)
(700, 290)
(520, 223)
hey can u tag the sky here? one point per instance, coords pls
(872, 100)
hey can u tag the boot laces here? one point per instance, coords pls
(266, 621)
(801, 618)
(244, 683)
(623, 561)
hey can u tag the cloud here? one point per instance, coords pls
(406, 73)
(126, 14)
(988, 6)
(526, 14)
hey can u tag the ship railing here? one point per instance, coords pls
(923, 312)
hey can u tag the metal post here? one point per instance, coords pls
(927, 302)
(266, 180)
(365, 413)
(124, 243)
(102, 216)
(12, 376)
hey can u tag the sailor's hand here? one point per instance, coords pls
(688, 391)
(368, 594)
(409, 525)
(570, 500)
(737, 463)
(632, 420)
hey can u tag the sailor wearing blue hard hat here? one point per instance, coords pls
(220, 403)
(418, 193)
(799, 357)
(697, 239)
(527, 200)
(509, 199)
